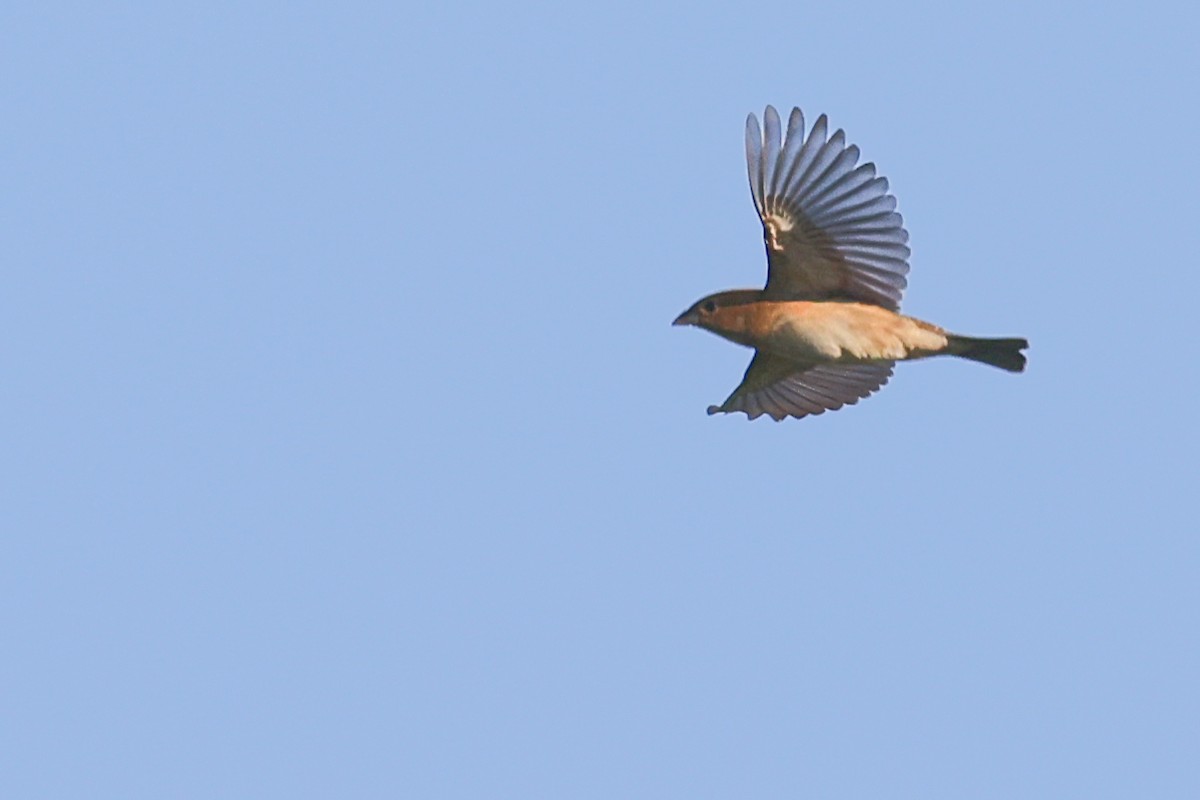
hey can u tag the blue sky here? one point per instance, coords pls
(349, 450)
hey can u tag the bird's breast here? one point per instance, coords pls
(805, 332)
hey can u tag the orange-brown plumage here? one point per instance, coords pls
(826, 329)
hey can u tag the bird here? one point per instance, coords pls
(826, 328)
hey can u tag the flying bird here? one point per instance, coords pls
(826, 329)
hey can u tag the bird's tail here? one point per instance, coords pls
(1002, 353)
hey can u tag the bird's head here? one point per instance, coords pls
(720, 312)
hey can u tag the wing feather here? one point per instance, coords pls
(804, 156)
(754, 162)
(829, 223)
(793, 141)
(770, 156)
(774, 387)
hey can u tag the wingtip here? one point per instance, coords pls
(752, 127)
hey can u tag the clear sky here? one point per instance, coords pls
(348, 450)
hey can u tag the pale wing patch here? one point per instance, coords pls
(830, 227)
(773, 387)
(773, 229)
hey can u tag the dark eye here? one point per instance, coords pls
(708, 307)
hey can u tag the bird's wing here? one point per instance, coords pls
(772, 386)
(831, 228)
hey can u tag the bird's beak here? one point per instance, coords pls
(686, 318)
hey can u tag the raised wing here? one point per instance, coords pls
(831, 228)
(772, 386)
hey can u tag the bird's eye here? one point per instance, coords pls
(708, 307)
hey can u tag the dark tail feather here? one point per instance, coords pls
(1002, 353)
